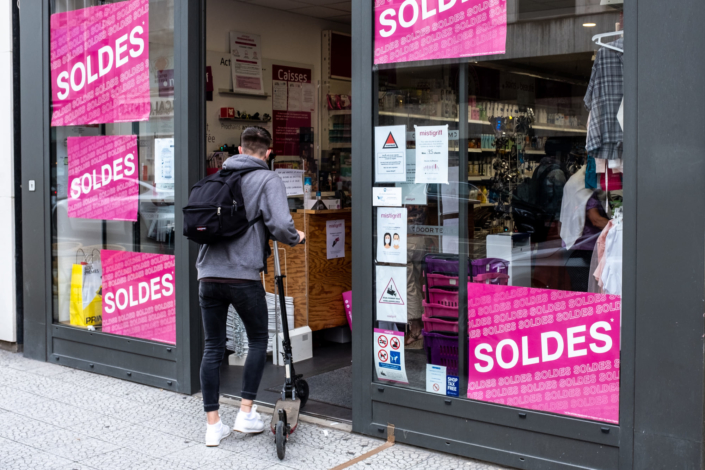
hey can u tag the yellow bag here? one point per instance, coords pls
(86, 301)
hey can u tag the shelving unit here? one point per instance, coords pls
(544, 127)
(225, 91)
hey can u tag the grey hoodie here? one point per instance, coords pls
(264, 195)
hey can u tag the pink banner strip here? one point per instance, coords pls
(100, 64)
(413, 30)
(103, 179)
(138, 295)
(545, 349)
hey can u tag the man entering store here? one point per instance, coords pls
(229, 274)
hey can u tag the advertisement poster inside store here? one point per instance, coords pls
(103, 179)
(412, 30)
(291, 107)
(391, 235)
(391, 293)
(543, 349)
(389, 356)
(335, 239)
(138, 295)
(431, 154)
(390, 154)
(100, 64)
(412, 193)
(246, 63)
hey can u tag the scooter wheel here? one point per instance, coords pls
(280, 439)
(302, 391)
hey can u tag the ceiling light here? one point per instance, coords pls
(589, 25)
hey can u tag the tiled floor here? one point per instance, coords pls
(53, 417)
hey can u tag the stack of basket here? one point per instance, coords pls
(440, 317)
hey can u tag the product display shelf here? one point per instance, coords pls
(540, 126)
(226, 91)
(339, 112)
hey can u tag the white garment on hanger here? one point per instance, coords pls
(600, 165)
(575, 198)
(612, 274)
(617, 166)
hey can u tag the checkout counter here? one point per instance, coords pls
(315, 282)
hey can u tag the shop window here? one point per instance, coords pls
(112, 167)
(526, 146)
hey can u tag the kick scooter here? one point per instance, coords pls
(295, 389)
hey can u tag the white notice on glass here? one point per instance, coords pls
(296, 97)
(386, 197)
(391, 235)
(293, 181)
(436, 379)
(335, 238)
(412, 193)
(391, 294)
(432, 154)
(449, 243)
(163, 162)
(449, 193)
(279, 95)
(390, 154)
(308, 96)
(389, 356)
(246, 63)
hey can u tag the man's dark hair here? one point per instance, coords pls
(255, 140)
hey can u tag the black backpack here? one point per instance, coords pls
(216, 209)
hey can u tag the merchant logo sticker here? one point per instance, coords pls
(390, 143)
(391, 295)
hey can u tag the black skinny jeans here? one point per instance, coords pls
(249, 300)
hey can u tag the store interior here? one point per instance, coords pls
(302, 97)
(527, 120)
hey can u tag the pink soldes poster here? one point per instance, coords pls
(547, 350)
(103, 176)
(412, 30)
(138, 295)
(100, 64)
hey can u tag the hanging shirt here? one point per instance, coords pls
(603, 99)
(572, 217)
(611, 281)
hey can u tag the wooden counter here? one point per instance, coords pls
(315, 282)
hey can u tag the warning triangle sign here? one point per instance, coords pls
(390, 143)
(391, 294)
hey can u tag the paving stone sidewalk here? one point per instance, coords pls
(54, 417)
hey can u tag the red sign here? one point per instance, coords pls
(382, 341)
(291, 87)
(383, 356)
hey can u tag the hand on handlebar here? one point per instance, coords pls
(302, 236)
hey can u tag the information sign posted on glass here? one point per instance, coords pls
(436, 379)
(391, 235)
(389, 356)
(390, 154)
(432, 154)
(391, 294)
(412, 193)
(386, 197)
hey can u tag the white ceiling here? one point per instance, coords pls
(333, 10)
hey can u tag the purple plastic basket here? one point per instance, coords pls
(489, 265)
(441, 350)
(439, 325)
(446, 298)
(443, 264)
(435, 310)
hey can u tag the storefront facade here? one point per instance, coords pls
(638, 406)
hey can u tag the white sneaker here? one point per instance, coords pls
(216, 433)
(249, 423)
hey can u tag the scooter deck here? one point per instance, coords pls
(291, 407)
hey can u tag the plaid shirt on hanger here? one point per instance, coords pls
(603, 98)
